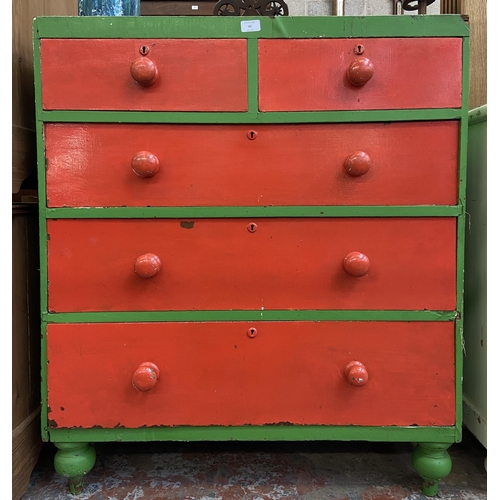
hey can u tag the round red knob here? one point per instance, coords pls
(144, 71)
(145, 377)
(145, 164)
(360, 71)
(358, 163)
(356, 373)
(356, 264)
(147, 265)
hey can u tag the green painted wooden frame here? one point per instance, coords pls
(229, 27)
(260, 433)
(267, 315)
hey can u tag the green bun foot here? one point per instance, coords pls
(433, 462)
(74, 460)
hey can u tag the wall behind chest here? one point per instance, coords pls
(23, 101)
(26, 440)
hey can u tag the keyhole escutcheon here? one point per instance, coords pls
(144, 50)
(252, 227)
(252, 332)
(252, 135)
(359, 49)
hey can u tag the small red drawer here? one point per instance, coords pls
(316, 75)
(283, 372)
(221, 264)
(174, 75)
(225, 165)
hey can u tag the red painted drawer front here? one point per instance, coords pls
(193, 75)
(218, 264)
(213, 373)
(208, 165)
(310, 75)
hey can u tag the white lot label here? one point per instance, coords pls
(248, 26)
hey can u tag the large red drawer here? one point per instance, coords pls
(210, 165)
(310, 75)
(215, 374)
(218, 264)
(193, 75)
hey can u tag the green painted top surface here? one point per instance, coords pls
(234, 27)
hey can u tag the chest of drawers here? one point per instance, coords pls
(252, 230)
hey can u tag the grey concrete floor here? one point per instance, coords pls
(261, 471)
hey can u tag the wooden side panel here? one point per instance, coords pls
(214, 374)
(23, 107)
(477, 12)
(218, 264)
(22, 395)
(310, 75)
(25, 314)
(23, 155)
(26, 439)
(26, 446)
(194, 75)
(218, 165)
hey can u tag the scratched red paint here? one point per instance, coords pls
(217, 264)
(217, 165)
(410, 73)
(95, 74)
(87, 166)
(213, 373)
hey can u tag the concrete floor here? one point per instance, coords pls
(261, 471)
